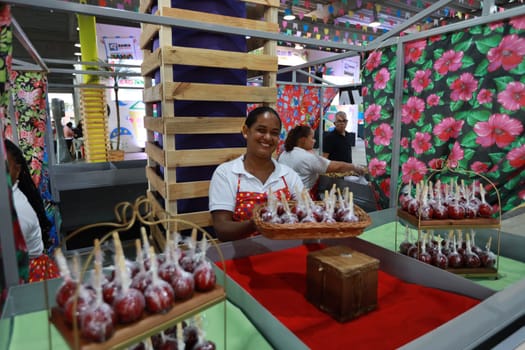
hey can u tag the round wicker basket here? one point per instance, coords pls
(315, 230)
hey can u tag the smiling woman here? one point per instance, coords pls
(238, 185)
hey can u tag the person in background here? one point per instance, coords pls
(77, 131)
(238, 185)
(69, 135)
(31, 214)
(337, 144)
(300, 157)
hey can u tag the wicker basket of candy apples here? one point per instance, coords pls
(336, 216)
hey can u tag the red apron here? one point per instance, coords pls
(245, 201)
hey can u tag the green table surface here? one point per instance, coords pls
(30, 331)
(510, 271)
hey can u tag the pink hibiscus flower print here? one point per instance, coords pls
(508, 54)
(372, 113)
(404, 142)
(513, 97)
(479, 167)
(413, 169)
(500, 129)
(374, 60)
(516, 157)
(383, 134)
(377, 167)
(385, 186)
(449, 62)
(413, 50)
(412, 110)
(518, 22)
(484, 96)
(433, 100)
(421, 80)
(448, 128)
(436, 163)
(463, 87)
(5, 15)
(382, 77)
(456, 154)
(421, 142)
(364, 91)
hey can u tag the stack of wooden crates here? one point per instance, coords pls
(171, 163)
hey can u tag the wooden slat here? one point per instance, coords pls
(156, 153)
(151, 61)
(145, 6)
(156, 181)
(200, 218)
(218, 92)
(270, 3)
(218, 58)
(154, 124)
(202, 157)
(148, 33)
(152, 94)
(204, 125)
(209, 18)
(184, 190)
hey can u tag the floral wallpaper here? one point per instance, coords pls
(463, 102)
(6, 48)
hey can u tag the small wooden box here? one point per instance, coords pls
(342, 282)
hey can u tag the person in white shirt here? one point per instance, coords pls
(240, 184)
(25, 199)
(31, 215)
(299, 156)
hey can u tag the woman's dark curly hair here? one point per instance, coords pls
(28, 188)
(294, 135)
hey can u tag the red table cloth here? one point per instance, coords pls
(405, 311)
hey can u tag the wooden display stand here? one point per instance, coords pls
(166, 190)
(94, 114)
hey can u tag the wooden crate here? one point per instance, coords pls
(342, 282)
(165, 189)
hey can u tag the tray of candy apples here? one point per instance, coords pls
(453, 253)
(336, 216)
(451, 204)
(138, 299)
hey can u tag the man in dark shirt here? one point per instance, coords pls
(337, 144)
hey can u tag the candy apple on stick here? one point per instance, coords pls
(423, 255)
(406, 196)
(287, 217)
(487, 257)
(308, 214)
(80, 300)
(168, 267)
(413, 205)
(439, 259)
(405, 245)
(455, 260)
(129, 302)
(143, 278)
(349, 213)
(68, 286)
(159, 294)
(182, 281)
(455, 209)
(484, 210)
(188, 262)
(471, 259)
(425, 210)
(98, 320)
(204, 274)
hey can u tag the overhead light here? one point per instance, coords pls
(299, 47)
(375, 23)
(78, 54)
(248, 37)
(288, 14)
(78, 29)
(77, 45)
